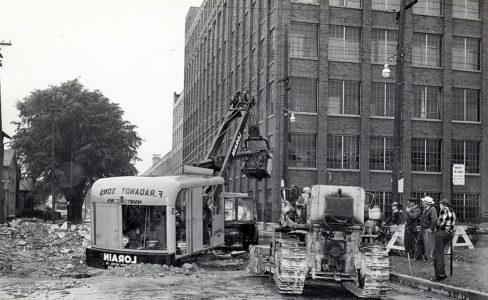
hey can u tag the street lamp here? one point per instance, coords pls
(287, 113)
(386, 71)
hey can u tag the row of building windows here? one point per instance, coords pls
(461, 9)
(345, 45)
(343, 153)
(345, 98)
(465, 205)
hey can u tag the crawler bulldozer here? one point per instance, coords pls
(331, 241)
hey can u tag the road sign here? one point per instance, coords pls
(458, 173)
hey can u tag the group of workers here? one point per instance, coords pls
(427, 230)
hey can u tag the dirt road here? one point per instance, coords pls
(218, 280)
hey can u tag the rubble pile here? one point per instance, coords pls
(149, 270)
(37, 249)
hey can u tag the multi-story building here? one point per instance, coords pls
(172, 162)
(176, 160)
(323, 61)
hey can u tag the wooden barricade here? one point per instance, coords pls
(460, 231)
(398, 234)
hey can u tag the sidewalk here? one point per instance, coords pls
(470, 270)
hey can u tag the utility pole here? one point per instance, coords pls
(3, 203)
(399, 85)
(53, 202)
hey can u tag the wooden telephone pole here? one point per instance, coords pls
(399, 85)
(3, 203)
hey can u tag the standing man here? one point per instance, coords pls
(413, 220)
(396, 216)
(428, 221)
(443, 235)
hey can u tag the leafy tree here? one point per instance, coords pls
(91, 141)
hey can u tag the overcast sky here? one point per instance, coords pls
(130, 50)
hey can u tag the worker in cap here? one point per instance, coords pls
(444, 231)
(396, 216)
(428, 221)
(412, 215)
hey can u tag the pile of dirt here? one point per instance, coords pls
(38, 249)
(149, 270)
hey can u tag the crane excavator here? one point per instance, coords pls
(166, 219)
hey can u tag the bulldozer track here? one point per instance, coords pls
(290, 267)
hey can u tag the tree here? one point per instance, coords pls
(91, 141)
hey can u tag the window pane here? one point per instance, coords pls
(346, 3)
(419, 102)
(388, 5)
(466, 9)
(344, 43)
(426, 102)
(336, 42)
(383, 45)
(144, 227)
(428, 7)
(376, 153)
(377, 104)
(472, 54)
(457, 150)
(472, 160)
(433, 50)
(351, 152)
(472, 207)
(418, 153)
(458, 55)
(457, 204)
(473, 9)
(381, 153)
(433, 156)
(352, 42)
(351, 97)
(433, 103)
(303, 40)
(472, 105)
(303, 94)
(334, 152)
(458, 104)
(335, 96)
(344, 97)
(418, 49)
(302, 150)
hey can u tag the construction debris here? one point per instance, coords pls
(37, 249)
(150, 270)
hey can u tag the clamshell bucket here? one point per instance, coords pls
(256, 155)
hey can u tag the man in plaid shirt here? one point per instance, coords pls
(443, 236)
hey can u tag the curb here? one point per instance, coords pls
(437, 287)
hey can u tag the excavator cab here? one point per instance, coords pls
(256, 155)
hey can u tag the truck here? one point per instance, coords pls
(167, 219)
(335, 240)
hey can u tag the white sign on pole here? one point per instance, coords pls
(458, 173)
(400, 185)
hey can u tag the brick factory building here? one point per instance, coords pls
(323, 61)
